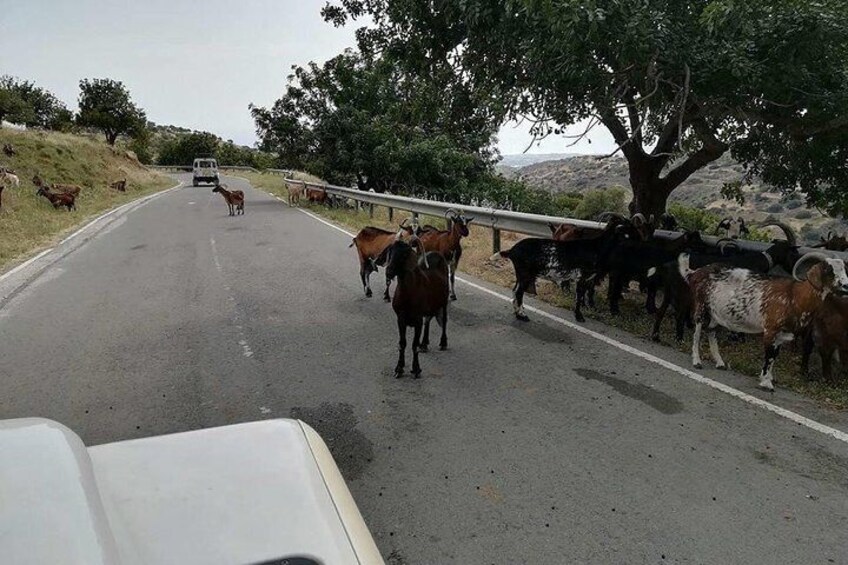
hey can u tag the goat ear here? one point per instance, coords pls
(469, 220)
(552, 227)
(815, 275)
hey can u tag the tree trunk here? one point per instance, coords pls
(650, 193)
(648, 199)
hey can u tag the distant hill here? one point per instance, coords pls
(525, 159)
(701, 190)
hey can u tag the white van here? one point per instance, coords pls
(205, 170)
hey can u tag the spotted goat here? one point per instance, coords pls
(743, 301)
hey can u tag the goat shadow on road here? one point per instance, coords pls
(659, 401)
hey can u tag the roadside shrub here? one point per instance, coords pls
(803, 214)
(774, 209)
(596, 202)
(793, 204)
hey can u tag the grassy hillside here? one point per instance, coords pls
(27, 221)
(701, 190)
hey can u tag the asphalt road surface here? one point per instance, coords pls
(523, 443)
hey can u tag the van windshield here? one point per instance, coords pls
(205, 164)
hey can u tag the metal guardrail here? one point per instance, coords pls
(505, 220)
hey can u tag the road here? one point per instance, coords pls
(523, 443)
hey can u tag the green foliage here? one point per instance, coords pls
(22, 102)
(105, 104)
(596, 202)
(185, 146)
(360, 118)
(694, 219)
(677, 84)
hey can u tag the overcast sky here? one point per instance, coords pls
(191, 64)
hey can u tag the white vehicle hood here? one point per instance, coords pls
(238, 494)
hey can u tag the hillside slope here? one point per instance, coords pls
(701, 190)
(28, 221)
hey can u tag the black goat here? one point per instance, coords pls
(421, 294)
(562, 261)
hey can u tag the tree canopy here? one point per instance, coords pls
(105, 104)
(677, 83)
(362, 118)
(25, 103)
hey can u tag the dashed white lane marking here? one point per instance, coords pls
(692, 375)
(245, 346)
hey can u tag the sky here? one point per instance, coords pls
(192, 64)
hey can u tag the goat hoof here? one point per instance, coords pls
(698, 365)
(522, 317)
(416, 375)
(423, 348)
(767, 388)
(398, 373)
(453, 297)
(721, 367)
(386, 298)
(368, 294)
(579, 318)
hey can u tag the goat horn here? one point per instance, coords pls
(814, 256)
(452, 211)
(787, 231)
(638, 219)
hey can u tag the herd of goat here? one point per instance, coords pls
(59, 195)
(778, 293)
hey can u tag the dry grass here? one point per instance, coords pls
(744, 357)
(28, 221)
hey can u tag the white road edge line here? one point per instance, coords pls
(30, 261)
(692, 375)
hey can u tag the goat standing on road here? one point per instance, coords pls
(448, 243)
(234, 198)
(747, 302)
(371, 244)
(421, 295)
(295, 191)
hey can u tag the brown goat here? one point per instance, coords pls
(833, 242)
(119, 185)
(746, 302)
(234, 198)
(71, 189)
(316, 195)
(371, 244)
(9, 150)
(421, 294)
(295, 191)
(828, 333)
(447, 243)
(59, 199)
(568, 232)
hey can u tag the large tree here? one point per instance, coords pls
(106, 105)
(23, 102)
(678, 83)
(362, 118)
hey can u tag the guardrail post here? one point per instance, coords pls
(496, 240)
(370, 210)
(391, 214)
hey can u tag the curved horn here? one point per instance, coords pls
(787, 231)
(726, 242)
(415, 242)
(453, 211)
(809, 257)
(638, 219)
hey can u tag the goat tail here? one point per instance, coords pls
(683, 265)
(499, 255)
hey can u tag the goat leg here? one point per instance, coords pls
(660, 315)
(452, 271)
(416, 344)
(443, 341)
(766, 377)
(716, 354)
(806, 351)
(401, 348)
(425, 340)
(696, 345)
(578, 300)
(365, 275)
(386, 296)
(518, 299)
